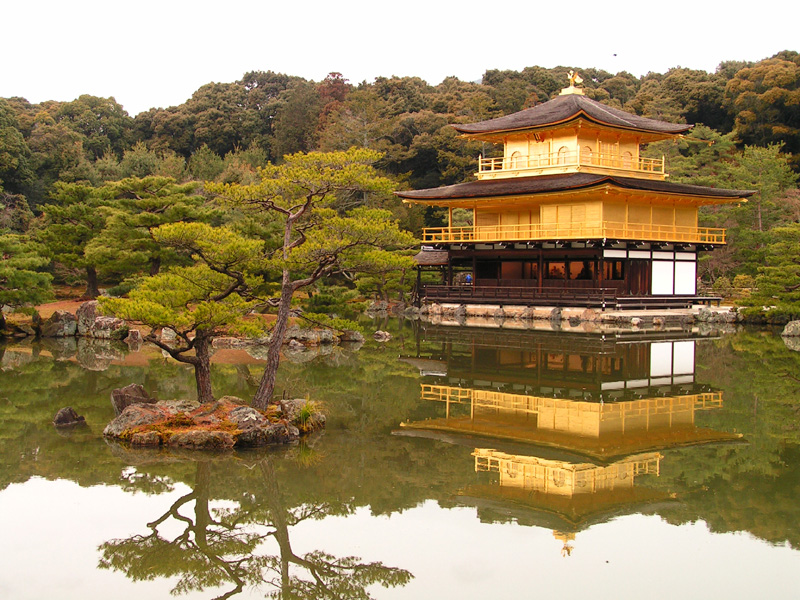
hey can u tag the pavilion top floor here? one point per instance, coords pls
(571, 134)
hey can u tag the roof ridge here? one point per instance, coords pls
(563, 109)
(602, 107)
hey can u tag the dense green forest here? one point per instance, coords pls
(58, 159)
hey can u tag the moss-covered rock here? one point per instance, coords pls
(223, 424)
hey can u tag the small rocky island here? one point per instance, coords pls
(223, 424)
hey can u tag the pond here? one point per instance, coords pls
(457, 463)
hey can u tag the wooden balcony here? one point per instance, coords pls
(562, 162)
(530, 232)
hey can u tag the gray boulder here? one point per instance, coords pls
(382, 336)
(302, 413)
(134, 340)
(67, 417)
(350, 335)
(326, 336)
(251, 424)
(226, 343)
(704, 315)
(137, 415)
(378, 306)
(122, 398)
(281, 433)
(146, 438)
(309, 336)
(92, 324)
(246, 417)
(60, 324)
(792, 329)
(197, 439)
(108, 328)
(86, 315)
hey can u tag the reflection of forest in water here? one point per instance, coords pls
(750, 485)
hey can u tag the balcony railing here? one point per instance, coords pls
(501, 401)
(574, 231)
(562, 160)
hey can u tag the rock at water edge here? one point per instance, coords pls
(792, 329)
(60, 324)
(67, 417)
(122, 398)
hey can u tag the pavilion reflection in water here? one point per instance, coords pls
(566, 425)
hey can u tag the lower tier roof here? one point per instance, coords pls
(544, 184)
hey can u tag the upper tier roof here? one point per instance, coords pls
(562, 109)
(543, 184)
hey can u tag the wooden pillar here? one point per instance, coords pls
(541, 268)
(601, 269)
(449, 269)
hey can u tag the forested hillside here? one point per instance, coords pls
(747, 136)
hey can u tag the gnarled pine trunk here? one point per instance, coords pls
(266, 386)
(202, 369)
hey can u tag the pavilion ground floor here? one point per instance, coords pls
(603, 275)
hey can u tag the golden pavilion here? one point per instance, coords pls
(572, 213)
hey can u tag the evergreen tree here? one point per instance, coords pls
(133, 209)
(72, 221)
(313, 241)
(22, 282)
(200, 301)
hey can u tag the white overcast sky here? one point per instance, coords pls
(151, 53)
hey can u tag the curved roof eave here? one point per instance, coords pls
(544, 184)
(576, 117)
(563, 109)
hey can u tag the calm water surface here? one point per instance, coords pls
(457, 463)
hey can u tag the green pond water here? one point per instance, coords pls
(528, 464)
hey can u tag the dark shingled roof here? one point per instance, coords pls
(557, 183)
(430, 258)
(566, 108)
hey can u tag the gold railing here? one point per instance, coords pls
(521, 403)
(575, 231)
(545, 162)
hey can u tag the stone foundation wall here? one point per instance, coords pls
(568, 318)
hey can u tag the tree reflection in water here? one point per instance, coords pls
(222, 546)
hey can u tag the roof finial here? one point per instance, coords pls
(574, 79)
(566, 537)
